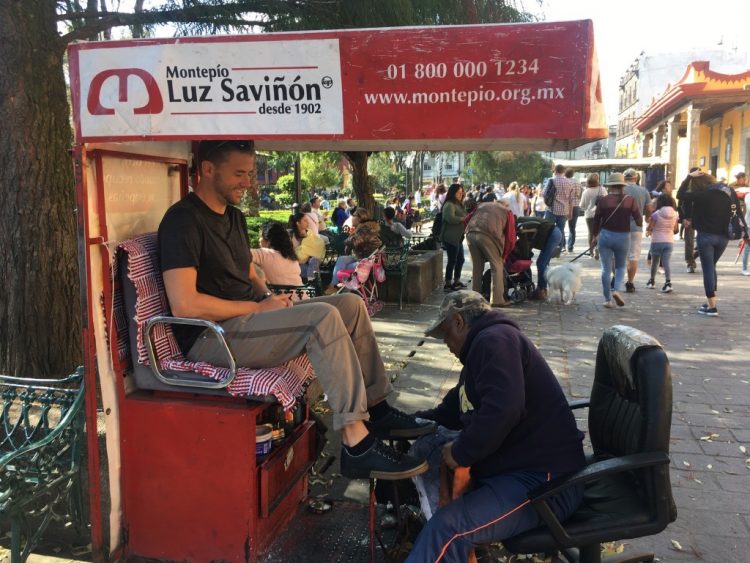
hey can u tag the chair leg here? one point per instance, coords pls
(372, 520)
(590, 553)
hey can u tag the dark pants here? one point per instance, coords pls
(455, 261)
(553, 241)
(690, 246)
(572, 229)
(592, 247)
(496, 509)
(710, 249)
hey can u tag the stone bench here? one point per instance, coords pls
(424, 274)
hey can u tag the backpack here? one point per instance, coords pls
(389, 238)
(549, 193)
(437, 225)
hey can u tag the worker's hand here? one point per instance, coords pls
(448, 456)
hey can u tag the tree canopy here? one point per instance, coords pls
(40, 313)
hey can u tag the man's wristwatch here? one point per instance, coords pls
(267, 294)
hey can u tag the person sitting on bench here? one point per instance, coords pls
(207, 270)
(507, 419)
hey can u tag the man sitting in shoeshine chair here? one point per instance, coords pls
(207, 268)
(507, 419)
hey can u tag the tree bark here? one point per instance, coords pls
(39, 302)
(361, 180)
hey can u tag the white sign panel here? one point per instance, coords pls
(240, 87)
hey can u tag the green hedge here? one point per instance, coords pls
(254, 224)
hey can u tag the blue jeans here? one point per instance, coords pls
(572, 229)
(455, 261)
(553, 240)
(342, 263)
(560, 221)
(710, 249)
(745, 255)
(611, 245)
(661, 252)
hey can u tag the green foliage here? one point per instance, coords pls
(382, 172)
(320, 169)
(524, 167)
(285, 185)
(255, 224)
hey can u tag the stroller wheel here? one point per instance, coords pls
(517, 294)
(377, 306)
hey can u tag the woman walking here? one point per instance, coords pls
(612, 232)
(662, 228)
(452, 235)
(708, 208)
(589, 197)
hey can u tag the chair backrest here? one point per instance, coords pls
(143, 297)
(631, 398)
(630, 410)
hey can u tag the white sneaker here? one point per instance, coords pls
(609, 304)
(746, 272)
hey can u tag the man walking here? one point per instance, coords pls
(690, 253)
(564, 202)
(643, 201)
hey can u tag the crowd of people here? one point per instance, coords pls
(507, 418)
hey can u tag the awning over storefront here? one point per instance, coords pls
(612, 164)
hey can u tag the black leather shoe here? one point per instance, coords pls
(380, 462)
(399, 425)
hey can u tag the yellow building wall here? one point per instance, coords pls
(704, 148)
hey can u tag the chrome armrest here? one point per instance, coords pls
(176, 379)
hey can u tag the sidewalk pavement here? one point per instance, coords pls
(710, 467)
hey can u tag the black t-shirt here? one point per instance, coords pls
(192, 235)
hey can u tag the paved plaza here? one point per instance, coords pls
(710, 468)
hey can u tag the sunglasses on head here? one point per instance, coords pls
(212, 149)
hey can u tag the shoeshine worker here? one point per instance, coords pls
(507, 419)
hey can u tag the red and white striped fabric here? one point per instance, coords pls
(286, 381)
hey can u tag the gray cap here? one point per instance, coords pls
(461, 301)
(630, 173)
(740, 175)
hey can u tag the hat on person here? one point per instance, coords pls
(615, 179)
(461, 301)
(630, 173)
(740, 175)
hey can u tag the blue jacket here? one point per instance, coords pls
(508, 404)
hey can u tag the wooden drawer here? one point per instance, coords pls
(287, 464)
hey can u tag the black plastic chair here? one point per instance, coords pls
(627, 492)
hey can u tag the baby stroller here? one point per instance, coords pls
(363, 279)
(517, 276)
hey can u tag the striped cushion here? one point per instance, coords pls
(286, 381)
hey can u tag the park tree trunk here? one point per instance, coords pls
(39, 300)
(361, 180)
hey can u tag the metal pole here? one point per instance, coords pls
(297, 180)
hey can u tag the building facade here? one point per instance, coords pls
(650, 75)
(703, 120)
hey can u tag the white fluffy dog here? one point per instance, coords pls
(565, 278)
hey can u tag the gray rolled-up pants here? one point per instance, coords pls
(337, 335)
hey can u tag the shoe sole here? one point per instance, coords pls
(404, 433)
(667, 290)
(618, 299)
(396, 475)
